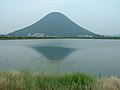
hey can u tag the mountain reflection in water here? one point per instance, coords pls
(53, 52)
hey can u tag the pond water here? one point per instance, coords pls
(91, 56)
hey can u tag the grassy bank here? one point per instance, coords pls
(14, 80)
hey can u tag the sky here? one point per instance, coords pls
(99, 16)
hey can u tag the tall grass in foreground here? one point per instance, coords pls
(14, 80)
(111, 83)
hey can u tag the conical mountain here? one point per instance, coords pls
(53, 24)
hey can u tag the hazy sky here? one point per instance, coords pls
(99, 16)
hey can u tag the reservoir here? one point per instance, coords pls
(92, 56)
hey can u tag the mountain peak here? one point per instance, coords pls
(54, 24)
(55, 13)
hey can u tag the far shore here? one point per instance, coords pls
(59, 37)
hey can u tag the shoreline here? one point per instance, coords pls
(19, 38)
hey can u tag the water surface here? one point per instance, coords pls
(61, 55)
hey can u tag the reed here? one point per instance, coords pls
(14, 80)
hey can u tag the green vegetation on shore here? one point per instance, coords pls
(14, 80)
(25, 81)
(56, 37)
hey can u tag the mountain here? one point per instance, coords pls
(53, 24)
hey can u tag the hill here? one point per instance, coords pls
(53, 24)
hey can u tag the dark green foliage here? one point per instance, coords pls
(58, 37)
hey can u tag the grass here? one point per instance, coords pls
(14, 80)
(111, 83)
